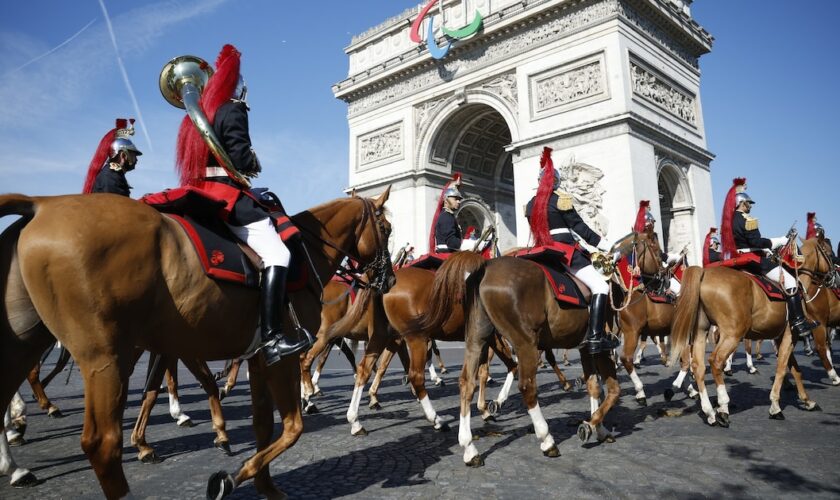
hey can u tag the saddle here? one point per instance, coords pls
(552, 261)
(744, 262)
(656, 291)
(430, 261)
(223, 257)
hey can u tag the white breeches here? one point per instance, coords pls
(776, 275)
(593, 279)
(675, 287)
(263, 238)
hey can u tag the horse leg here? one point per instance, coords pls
(16, 422)
(502, 350)
(145, 453)
(698, 367)
(377, 343)
(748, 350)
(483, 375)
(724, 349)
(307, 385)
(601, 363)
(233, 373)
(20, 478)
(202, 374)
(432, 373)
(823, 351)
(639, 354)
(63, 358)
(631, 338)
(41, 396)
(439, 358)
(783, 352)
(384, 361)
(181, 418)
(807, 403)
(552, 362)
(528, 359)
(416, 375)
(477, 333)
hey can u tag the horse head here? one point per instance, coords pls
(817, 256)
(371, 245)
(641, 248)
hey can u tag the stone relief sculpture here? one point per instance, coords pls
(503, 86)
(380, 144)
(652, 88)
(569, 86)
(583, 182)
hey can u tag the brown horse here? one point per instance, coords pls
(129, 278)
(732, 301)
(817, 277)
(418, 293)
(513, 297)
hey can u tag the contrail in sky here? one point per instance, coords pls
(125, 75)
(62, 44)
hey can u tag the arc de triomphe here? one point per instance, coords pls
(611, 85)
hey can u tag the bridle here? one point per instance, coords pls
(634, 257)
(828, 279)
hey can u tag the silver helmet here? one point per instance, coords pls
(649, 218)
(743, 197)
(241, 91)
(556, 177)
(714, 240)
(123, 144)
(819, 229)
(452, 192)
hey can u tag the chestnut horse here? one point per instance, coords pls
(513, 297)
(129, 278)
(818, 276)
(732, 301)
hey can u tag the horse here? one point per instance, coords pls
(418, 293)
(513, 297)
(818, 277)
(129, 278)
(708, 297)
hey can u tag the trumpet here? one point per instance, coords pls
(604, 264)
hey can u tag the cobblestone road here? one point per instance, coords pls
(404, 458)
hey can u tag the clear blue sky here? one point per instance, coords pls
(768, 91)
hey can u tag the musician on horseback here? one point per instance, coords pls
(115, 157)
(645, 222)
(553, 218)
(223, 103)
(741, 235)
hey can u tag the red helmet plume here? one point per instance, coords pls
(191, 151)
(811, 232)
(456, 181)
(739, 184)
(539, 212)
(707, 243)
(641, 219)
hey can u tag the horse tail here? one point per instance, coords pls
(449, 286)
(353, 316)
(685, 315)
(63, 358)
(17, 204)
(477, 323)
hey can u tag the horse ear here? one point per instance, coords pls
(380, 202)
(353, 193)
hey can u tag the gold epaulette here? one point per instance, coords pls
(564, 200)
(115, 167)
(751, 223)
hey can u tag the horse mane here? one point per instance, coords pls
(448, 288)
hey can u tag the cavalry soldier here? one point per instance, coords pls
(645, 222)
(447, 236)
(816, 230)
(711, 247)
(223, 103)
(553, 218)
(740, 234)
(115, 157)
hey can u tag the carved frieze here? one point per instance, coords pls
(656, 89)
(571, 85)
(583, 182)
(378, 145)
(503, 86)
(423, 113)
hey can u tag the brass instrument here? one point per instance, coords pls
(181, 82)
(603, 263)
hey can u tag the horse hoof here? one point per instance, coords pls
(723, 420)
(810, 406)
(220, 485)
(584, 432)
(361, 432)
(317, 393)
(443, 427)
(21, 428)
(493, 408)
(439, 383)
(777, 416)
(637, 365)
(552, 452)
(17, 441)
(375, 406)
(491, 382)
(608, 439)
(224, 447)
(728, 373)
(753, 371)
(669, 394)
(150, 459)
(835, 382)
(488, 418)
(641, 401)
(310, 409)
(405, 380)
(475, 462)
(186, 423)
(28, 480)
(443, 370)
(55, 413)
(223, 393)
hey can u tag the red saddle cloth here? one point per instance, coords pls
(770, 288)
(553, 260)
(430, 261)
(836, 292)
(220, 253)
(351, 284)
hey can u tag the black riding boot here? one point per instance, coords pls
(596, 336)
(800, 326)
(275, 344)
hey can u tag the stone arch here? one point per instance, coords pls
(676, 206)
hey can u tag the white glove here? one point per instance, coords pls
(603, 245)
(673, 257)
(777, 242)
(467, 244)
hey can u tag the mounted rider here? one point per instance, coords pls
(447, 236)
(711, 247)
(115, 156)
(740, 235)
(645, 222)
(816, 230)
(553, 218)
(223, 103)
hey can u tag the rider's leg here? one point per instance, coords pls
(596, 336)
(262, 237)
(799, 324)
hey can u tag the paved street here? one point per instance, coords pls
(402, 457)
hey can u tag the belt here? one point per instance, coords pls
(215, 172)
(750, 250)
(560, 230)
